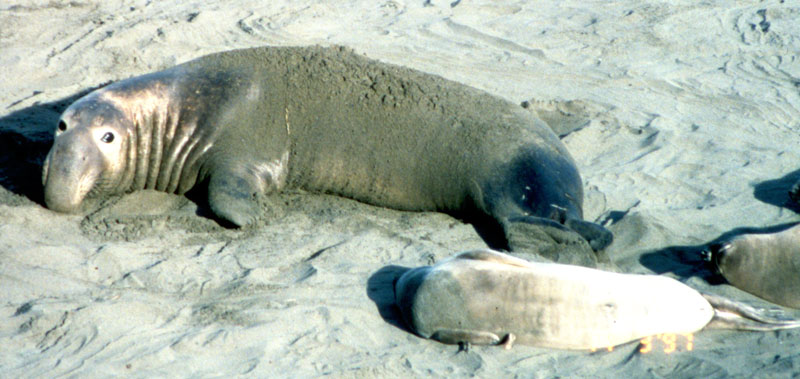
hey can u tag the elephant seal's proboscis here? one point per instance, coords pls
(488, 298)
(256, 121)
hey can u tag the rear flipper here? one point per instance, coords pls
(550, 239)
(598, 237)
(729, 314)
(454, 336)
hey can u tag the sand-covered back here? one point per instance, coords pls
(693, 137)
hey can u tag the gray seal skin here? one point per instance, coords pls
(766, 265)
(255, 121)
(489, 298)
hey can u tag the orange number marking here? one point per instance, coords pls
(669, 340)
(648, 345)
(689, 341)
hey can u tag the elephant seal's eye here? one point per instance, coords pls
(62, 126)
(108, 137)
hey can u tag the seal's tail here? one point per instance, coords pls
(729, 314)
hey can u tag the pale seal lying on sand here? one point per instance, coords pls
(256, 121)
(766, 265)
(486, 297)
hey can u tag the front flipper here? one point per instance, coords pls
(233, 197)
(547, 238)
(456, 336)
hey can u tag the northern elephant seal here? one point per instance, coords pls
(766, 265)
(487, 297)
(255, 121)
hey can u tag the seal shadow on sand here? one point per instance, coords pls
(688, 261)
(380, 289)
(25, 138)
(776, 191)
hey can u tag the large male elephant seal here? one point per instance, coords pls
(489, 298)
(766, 265)
(255, 121)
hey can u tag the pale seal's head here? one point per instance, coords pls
(88, 153)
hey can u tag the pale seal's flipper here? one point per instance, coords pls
(729, 314)
(256, 121)
(478, 296)
(766, 265)
(454, 337)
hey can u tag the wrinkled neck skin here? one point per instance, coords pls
(160, 147)
(164, 149)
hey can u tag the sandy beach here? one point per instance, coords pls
(692, 135)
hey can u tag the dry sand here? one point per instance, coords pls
(694, 138)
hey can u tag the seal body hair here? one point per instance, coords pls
(487, 297)
(766, 265)
(255, 121)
